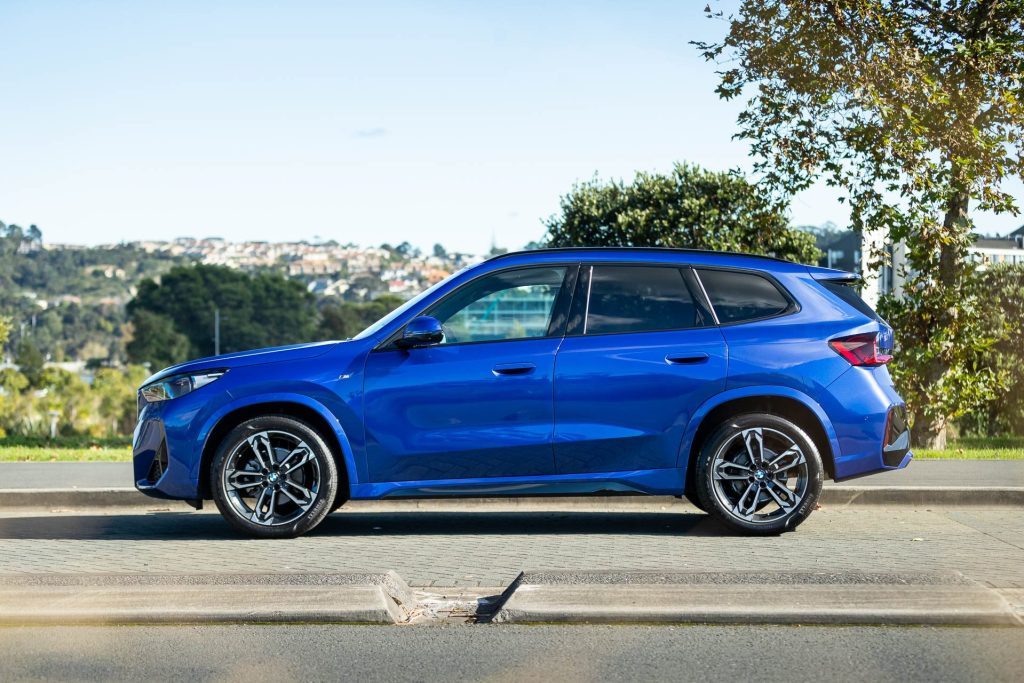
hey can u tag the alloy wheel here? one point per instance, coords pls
(272, 478)
(759, 475)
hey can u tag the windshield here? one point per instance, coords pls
(401, 310)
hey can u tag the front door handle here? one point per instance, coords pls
(686, 358)
(513, 369)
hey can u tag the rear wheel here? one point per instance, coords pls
(760, 474)
(274, 477)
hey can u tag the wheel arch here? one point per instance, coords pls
(789, 404)
(300, 408)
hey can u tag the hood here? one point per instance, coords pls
(274, 354)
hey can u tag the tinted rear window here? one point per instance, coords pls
(639, 299)
(848, 293)
(737, 296)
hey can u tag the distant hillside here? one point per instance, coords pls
(70, 301)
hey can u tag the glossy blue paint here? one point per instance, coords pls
(623, 400)
(448, 412)
(748, 392)
(557, 414)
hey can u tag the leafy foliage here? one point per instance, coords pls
(1003, 285)
(342, 319)
(155, 341)
(30, 362)
(256, 311)
(691, 207)
(103, 408)
(914, 110)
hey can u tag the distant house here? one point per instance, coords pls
(991, 250)
(840, 249)
(986, 251)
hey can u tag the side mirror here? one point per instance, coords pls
(421, 331)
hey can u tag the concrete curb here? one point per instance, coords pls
(831, 496)
(155, 599)
(753, 598)
(534, 597)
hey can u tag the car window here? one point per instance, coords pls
(638, 299)
(846, 291)
(512, 304)
(737, 296)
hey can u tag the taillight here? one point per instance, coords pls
(860, 349)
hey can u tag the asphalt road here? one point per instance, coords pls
(25, 475)
(500, 653)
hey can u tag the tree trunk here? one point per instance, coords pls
(931, 432)
(928, 433)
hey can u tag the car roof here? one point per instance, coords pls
(650, 255)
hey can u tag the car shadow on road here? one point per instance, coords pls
(185, 526)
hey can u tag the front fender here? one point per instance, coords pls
(763, 391)
(204, 433)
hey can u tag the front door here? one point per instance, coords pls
(479, 404)
(642, 358)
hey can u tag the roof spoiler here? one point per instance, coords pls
(833, 275)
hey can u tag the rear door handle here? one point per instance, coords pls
(513, 368)
(686, 358)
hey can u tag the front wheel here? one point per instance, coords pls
(760, 474)
(274, 477)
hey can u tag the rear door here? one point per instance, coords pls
(642, 353)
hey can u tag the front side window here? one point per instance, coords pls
(738, 296)
(513, 304)
(639, 299)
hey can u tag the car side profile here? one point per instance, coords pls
(740, 382)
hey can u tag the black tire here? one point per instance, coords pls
(747, 496)
(691, 495)
(339, 499)
(312, 461)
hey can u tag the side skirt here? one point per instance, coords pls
(665, 482)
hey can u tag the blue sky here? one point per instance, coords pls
(429, 122)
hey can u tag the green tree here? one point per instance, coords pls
(114, 393)
(1003, 287)
(914, 110)
(691, 208)
(29, 361)
(67, 396)
(344, 319)
(155, 341)
(13, 401)
(256, 311)
(5, 330)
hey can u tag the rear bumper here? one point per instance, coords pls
(896, 449)
(870, 422)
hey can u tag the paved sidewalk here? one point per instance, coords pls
(24, 475)
(488, 548)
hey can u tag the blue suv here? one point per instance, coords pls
(738, 381)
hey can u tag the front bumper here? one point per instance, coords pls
(157, 472)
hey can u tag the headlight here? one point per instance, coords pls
(178, 385)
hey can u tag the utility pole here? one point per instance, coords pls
(216, 331)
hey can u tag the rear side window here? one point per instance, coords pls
(846, 291)
(737, 296)
(639, 299)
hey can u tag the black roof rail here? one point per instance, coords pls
(671, 250)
